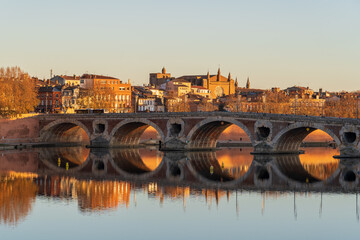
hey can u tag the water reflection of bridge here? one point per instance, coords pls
(205, 169)
(108, 179)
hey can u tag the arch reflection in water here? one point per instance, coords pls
(17, 195)
(317, 164)
(136, 161)
(222, 166)
(65, 158)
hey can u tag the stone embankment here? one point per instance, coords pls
(20, 131)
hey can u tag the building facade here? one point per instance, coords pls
(115, 92)
(156, 79)
(69, 98)
(66, 80)
(49, 99)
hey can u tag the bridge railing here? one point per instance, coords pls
(244, 115)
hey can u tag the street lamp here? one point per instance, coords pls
(357, 108)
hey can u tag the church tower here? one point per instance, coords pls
(163, 70)
(218, 75)
(248, 83)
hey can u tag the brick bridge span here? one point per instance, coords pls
(269, 133)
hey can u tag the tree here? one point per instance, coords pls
(18, 93)
(99, 97)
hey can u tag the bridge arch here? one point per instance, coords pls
(65, 160)
(206, 168)
(130, 163)
(65, 131)
(128, 132)
(290, 169)
(205, 134)
(290, 138)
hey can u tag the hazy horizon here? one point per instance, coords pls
(274, 43)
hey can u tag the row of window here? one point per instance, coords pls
(110, 82)
(46, 102)
(146, 108)
(146, 101)
(307, 104)
(43, 96)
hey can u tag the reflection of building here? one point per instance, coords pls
(102, 195)
(91, 195)
(183, 193)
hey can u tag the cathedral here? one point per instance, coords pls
(218, 85)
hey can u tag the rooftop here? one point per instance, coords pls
(94, 76)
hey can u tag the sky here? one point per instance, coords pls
(276, 43)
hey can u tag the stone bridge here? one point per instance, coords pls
(268, 133)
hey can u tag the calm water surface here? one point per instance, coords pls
(77, 193)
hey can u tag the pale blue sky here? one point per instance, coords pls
(276, 43)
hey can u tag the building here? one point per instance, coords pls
(307, 106)
(201, 91)
(156, 79)
(218, 85)
(178, 87)
(110, 89)
(66, 80)
(49, 99)
(69, 98)
(301, 92)
(143, 100)
(157, 92)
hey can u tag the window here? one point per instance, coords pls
(82, 81)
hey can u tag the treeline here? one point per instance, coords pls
(345, 106)
(18, 93)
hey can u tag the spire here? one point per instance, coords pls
(236, 82)
(248, 83)
(163, 70)
(229, 77)
(218, 76)
(208, 75)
